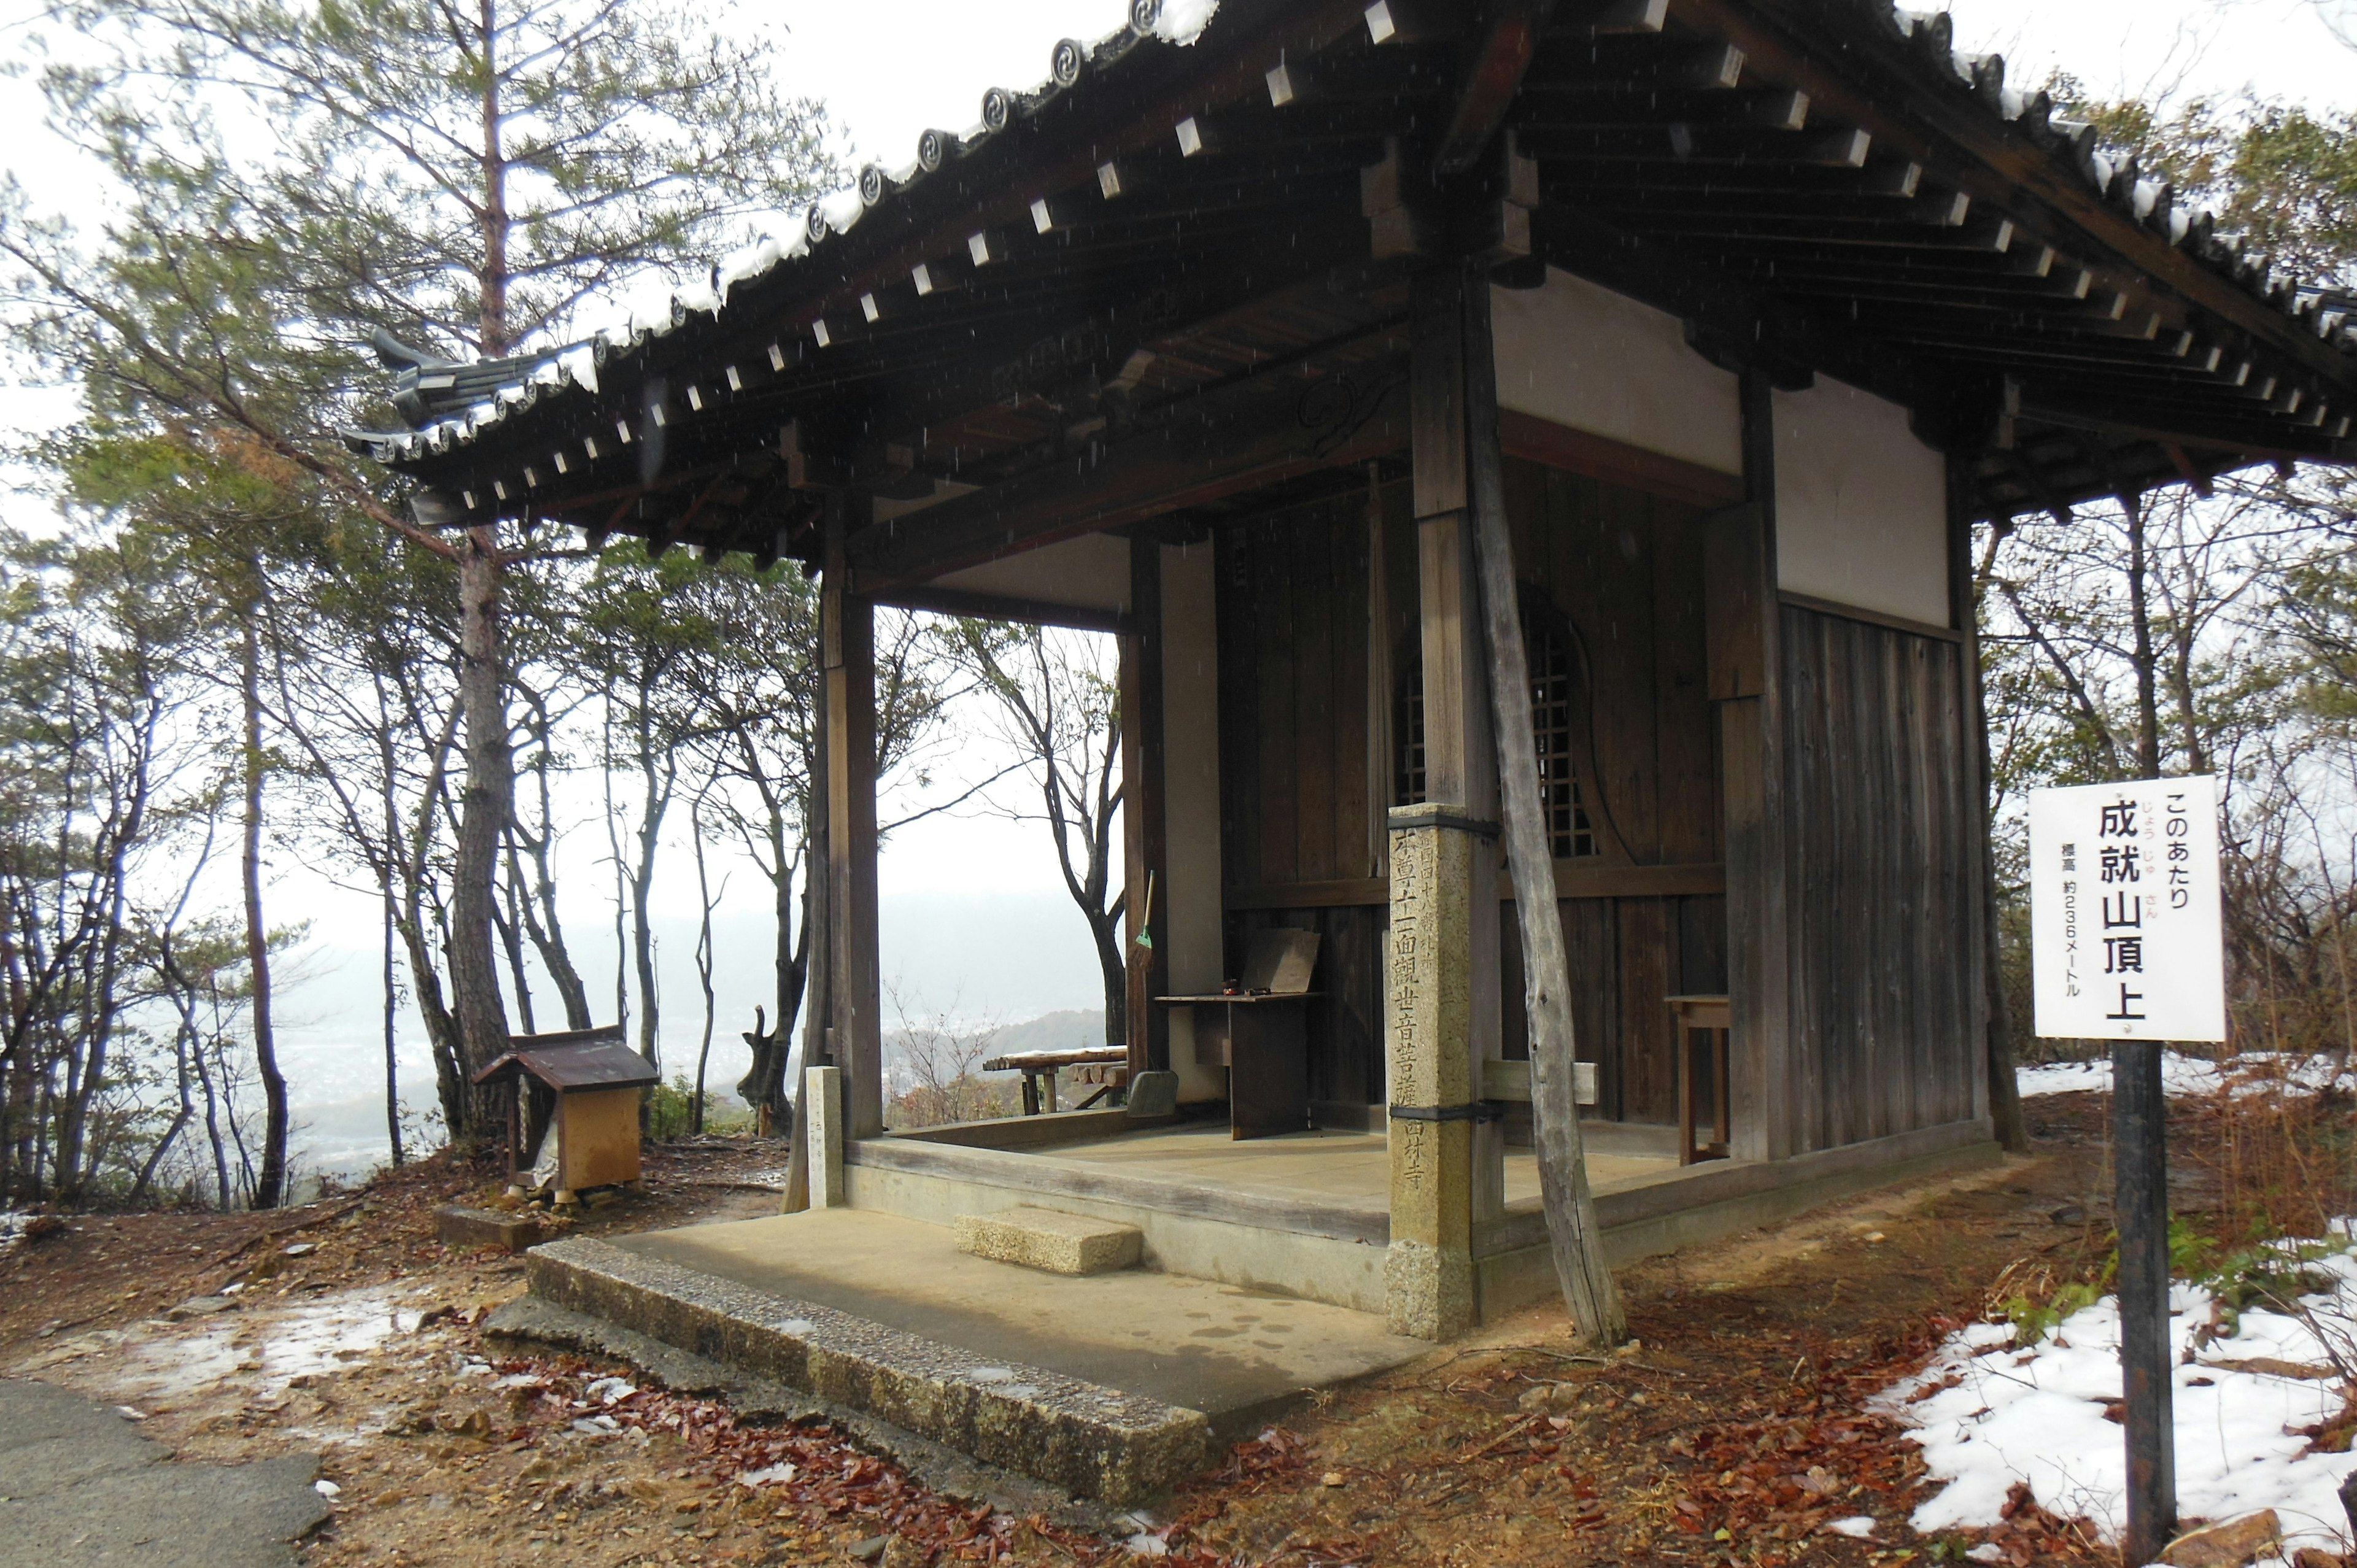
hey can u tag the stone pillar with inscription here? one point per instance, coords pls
(1428, 1272)
(1443, 1004)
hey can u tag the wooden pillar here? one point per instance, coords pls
(1747, 662)
(847, 640)
(1447, 1180)
(1146, 855)
(1994, 1093)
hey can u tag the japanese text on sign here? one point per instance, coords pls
(2123, 902)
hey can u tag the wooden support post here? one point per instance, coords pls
(1996, 1094)
(1447, 1168)
(1745, 678)
(2140, 1210)
(1146, 857)
(1570, 1209)
(818, 972)
(847, 639)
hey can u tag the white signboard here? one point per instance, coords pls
(2124, 911)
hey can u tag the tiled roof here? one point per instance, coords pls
(447, 422)
(1840, 212)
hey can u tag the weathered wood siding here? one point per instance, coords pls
(1879, 860)
(1297, 806)
(1302, 794)
(1625, 569)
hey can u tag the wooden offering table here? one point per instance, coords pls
(1259, 1033)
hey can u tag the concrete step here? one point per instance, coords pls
(1050, 1239)
(1113, 1386)
(1092, 1441)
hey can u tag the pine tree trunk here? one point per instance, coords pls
(655, 804)
(485, 805)
(270, 1181)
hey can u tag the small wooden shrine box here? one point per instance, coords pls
(1259, 1033)
(581, 1088)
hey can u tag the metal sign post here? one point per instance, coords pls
(2127, 945)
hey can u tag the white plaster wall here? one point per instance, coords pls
(1861, 504)
(1191, 801)
(1091, 572)
(1581, 355)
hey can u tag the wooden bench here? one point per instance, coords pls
(1106, 1066)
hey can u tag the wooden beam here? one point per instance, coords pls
(1145, 844)
(938, 600)
(847, 653)
(1763, 1068)
(1528, 436)
(1573, 879)
(1510, 37)
(1872, 618)
(1204, 448)
(1996, 1092)
(1580, 1268)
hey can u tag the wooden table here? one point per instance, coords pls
(1104, 1066)
(1263, 1042)
(1712, 1018)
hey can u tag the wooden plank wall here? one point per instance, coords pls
(1296, 799)
(1625, 570)
(1299, 810)
(1882, 875)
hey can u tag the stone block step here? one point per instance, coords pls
(1050, 1239)
(1092, 1441)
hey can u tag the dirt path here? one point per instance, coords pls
(1738, 1433)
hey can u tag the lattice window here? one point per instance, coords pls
(1570, 834)
(1407, 769)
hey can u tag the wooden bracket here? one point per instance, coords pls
(806, 470)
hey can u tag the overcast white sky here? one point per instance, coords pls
(973, 912)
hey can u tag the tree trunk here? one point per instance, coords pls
(2147, 668)
(270, 1182)
(1106, 930)
(540, 913)
(654, 805)
(1585, 1279)
(703, 961)
(2004, 1088)
(765, 1085)
(511, 935)
(485, 807)
(391, 1013)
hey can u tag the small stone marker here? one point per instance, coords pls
(459, 1225)
(823, 1094)
(1153, 1094)
(1048, 1239)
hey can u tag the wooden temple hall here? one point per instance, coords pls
(1218, 339)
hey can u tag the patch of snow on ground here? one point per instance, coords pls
(2036, 1416)
(11, 1228)
(2181, 1075)
(269, 1351)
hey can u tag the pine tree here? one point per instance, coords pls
(474, 180)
